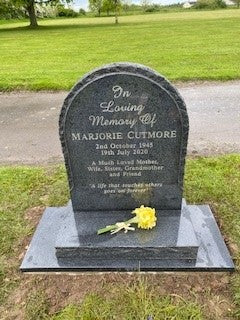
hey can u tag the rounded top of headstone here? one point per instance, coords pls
(124, 129)
(128, 68)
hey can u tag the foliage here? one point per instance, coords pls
(167, 8)
(145, 4)
(82, 12)
(237, 2)
(96, 6)
(210, 4)
(9, 11)
(108, 5)
(153, 8)
(30, 6)
(46, 11)
(26, 3)
(127, 6)
(99, 6)
(66, 12)
(40, 2)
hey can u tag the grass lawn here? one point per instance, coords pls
(182, 46)
(197, 296)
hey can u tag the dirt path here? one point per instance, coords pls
(29, 122)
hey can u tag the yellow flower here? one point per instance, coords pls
(145, 217)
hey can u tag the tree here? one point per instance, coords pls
(126, 5)
(9, 11)
(210, 4)
(96, 5)
(145, 4)
(237, 2)
(107, 6)
(29, 5)
(117, 6)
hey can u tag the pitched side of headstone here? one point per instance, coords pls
(124, 131)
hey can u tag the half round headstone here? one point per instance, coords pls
(124, 131)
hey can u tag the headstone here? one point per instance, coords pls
(124, 131)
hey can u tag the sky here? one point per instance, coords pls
(77, 4)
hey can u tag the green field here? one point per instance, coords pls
(182, 46)
(197, 296)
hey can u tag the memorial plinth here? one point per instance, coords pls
(124, 131)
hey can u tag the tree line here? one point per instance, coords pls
(32, 8)
(10, 9)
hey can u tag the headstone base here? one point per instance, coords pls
(173, 237)
(64, 242)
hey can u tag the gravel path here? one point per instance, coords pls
(29, 122)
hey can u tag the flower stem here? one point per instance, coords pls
(114, 226)
(106, 229)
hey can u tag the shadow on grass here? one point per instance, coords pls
(76, 26)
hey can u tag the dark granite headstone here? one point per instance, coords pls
(124, 131)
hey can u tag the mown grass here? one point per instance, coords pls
(215, 181)
(22, 188)
(181, 46)
(138, 302)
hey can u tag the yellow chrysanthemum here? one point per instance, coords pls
(145, 217)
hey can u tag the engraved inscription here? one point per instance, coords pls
(125, 139)
(124, 133)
